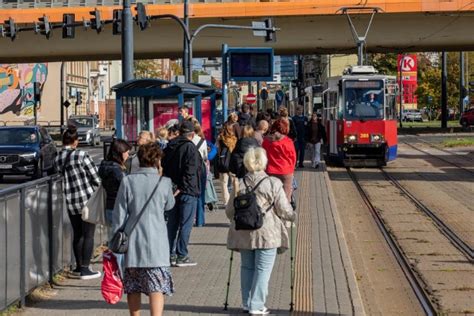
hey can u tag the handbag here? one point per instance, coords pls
(120, 240)
(94, 210)
(111, 286)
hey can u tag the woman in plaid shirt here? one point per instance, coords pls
(80, 182)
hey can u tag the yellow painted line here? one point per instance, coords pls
(303, 294)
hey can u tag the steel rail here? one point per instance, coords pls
(440, 158)
(465, 157)
(416, 284)
(460, 244)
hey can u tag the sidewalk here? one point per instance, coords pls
(324, 282)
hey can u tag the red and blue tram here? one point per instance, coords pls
(359, 113)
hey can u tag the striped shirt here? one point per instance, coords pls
(80, 178)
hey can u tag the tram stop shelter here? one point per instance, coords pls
(147, 104)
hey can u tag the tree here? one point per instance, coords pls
(385, 63)
(147, 68)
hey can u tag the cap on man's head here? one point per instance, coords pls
(186, 127)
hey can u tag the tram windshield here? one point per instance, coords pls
(364, 100)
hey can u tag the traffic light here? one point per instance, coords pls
(9, 29)
(464, 92)
(271, 34)
(69, 31)
(142, 18)
(37, 92)
(96, 22)
(117, 22)
(44, 27)
(78, 98)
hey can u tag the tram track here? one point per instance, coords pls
(458, 242)
(465, 157)
(441, 158)
(416, 283)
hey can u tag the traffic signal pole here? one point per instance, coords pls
(127, 42)
(187, 56)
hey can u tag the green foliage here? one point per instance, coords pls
(147, 68)
(385, 63)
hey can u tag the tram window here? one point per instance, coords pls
(364, 100)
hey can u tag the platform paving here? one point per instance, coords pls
(324, 281)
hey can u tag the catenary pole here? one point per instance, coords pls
(462, 83)
(127, 42)
(187, 59)
(444, 90)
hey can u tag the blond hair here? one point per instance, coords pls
(255, 159)
(162, 133)
(248, 131)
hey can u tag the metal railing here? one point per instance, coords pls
(93, 3)
(35, 237)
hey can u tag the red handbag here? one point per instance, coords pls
(111, 286)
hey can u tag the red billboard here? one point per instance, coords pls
(408, 66)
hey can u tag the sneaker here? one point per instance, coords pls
(88, 274)
(185, 262)
(75, 274)
(173, 259)
(263, 311)
(300, 165)
(317, 166)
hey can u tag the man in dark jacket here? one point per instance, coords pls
(181, 164)
(301, 122)
(245, 118)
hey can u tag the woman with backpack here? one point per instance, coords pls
(143, 198)
(258, 245)
(226, 143)
(111, 171)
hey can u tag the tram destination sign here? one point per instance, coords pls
(366, 84)
(251, 64)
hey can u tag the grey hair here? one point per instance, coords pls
(255, 159)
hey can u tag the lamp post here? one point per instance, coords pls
(402, 61)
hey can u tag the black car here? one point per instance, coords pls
(26, 150)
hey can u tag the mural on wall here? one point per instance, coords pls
(17, 87)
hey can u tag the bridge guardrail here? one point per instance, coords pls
(35, 237)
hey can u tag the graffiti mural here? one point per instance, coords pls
(17, 87)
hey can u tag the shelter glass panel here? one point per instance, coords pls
(13, 215)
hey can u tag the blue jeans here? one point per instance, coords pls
(180, 223)
(255, 271)
(300, 146)
(200, 214)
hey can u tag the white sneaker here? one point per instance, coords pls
(263, 311)
(88, 274)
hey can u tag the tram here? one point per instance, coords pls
(359, 113)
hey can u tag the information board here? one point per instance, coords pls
(251, 64)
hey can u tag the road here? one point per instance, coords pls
(96, 154)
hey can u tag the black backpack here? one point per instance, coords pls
(223, 159)
(248, 214)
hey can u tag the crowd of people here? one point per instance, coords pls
(167, 185)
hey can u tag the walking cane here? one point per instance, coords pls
(292, 267)
(228, 281)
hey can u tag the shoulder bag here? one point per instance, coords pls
(120, 240)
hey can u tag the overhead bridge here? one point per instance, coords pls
(307, 27)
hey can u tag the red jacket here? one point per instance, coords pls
(281, 154)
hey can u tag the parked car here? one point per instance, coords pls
(26, 150)
(467, 118)
(87, 128)
(412, 115)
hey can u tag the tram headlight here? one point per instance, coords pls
(351, 138)
(376, 138)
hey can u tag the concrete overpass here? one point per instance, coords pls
(306, 27)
